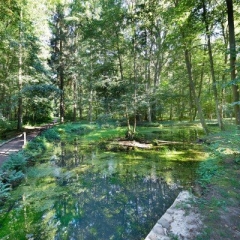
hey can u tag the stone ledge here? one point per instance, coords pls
(181, 220)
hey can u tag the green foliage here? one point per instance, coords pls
(14, 177)
(12, 170)
(76, 128)
(220, 179)
(237, 159)
(63, 177)
(150, 124)
(15, 162)
(207, 170)
(106, 71)
(7, 125)
(11, 173)
(38, 101)
(36, 147)
(51, 135)
(4, 191)
(41, 90)
(140, 137)
(107, 121)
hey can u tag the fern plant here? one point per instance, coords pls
(36, 147)
(14, 177)
(15, 162)
(4, 191)
(51, 135)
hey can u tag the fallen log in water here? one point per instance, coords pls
(162, 142)
(134, 144)
(128, 145)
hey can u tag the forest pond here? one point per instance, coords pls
(76, 193)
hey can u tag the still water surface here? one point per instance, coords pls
(74, 194)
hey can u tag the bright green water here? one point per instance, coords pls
(74, 194)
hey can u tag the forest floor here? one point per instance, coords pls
(220, 202)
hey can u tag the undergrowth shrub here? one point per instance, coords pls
(36, 147)
(70, 129)
(11, 173)
(14, 177)
(139, 137)
(7, 125)
(15, 161)
(4, 191)
(106, 121)
(226, 145)
(149, 124)
(51, 135)
(12, 170)
(74, 128)
(207, 170)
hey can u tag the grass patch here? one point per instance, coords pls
(220, 179)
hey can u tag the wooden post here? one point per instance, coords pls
(24, 138)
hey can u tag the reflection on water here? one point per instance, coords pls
(94, 195)
(112, 207)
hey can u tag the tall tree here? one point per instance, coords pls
(183, 35)
(58, 60)
(20, 72)
(211, 62)
(232, 47)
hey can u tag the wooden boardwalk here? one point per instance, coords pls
(16, 144)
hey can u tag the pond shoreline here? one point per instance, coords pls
(79, 131)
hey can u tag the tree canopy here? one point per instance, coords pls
(123, 60)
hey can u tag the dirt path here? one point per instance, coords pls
(16, 144)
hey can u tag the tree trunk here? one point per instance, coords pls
(192, 108)
(193, 90)
(130, 131)
(61, 74)
(149, 91)
(214, 82)
(80, 102)
(20, 81)
(223, 92)
(232, 43)
(75, 99)
(155, 86)
(171, 112)
(90, 106)
(119, 59)
(135, 94)
(157, 71)
(61, 80)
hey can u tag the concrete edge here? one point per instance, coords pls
(181, 220)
